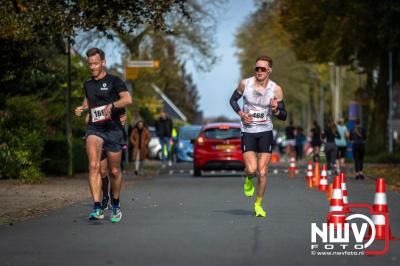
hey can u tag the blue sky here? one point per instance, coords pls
(216, 87)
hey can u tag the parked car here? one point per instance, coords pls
(155, 151)
(218, 148)
(184, 144)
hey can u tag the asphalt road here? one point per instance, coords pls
(176, 219)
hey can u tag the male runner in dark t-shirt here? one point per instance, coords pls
(104, 93)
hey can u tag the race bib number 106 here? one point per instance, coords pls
(97, 114)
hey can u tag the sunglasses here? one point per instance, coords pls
(262, 69)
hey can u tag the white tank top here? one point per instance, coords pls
(257, 104)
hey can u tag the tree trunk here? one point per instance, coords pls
(377, 137)
(68, 124)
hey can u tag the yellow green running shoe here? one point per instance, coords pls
(259, 211)
(248, 187)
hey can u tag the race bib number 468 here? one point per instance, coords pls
(259, 116)
(97, 114)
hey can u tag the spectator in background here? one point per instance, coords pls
(140, 138)
(164, 132)
(330, 134)
(341, 144)
(316, 141)
(358, 137)
(300, 141)
(290, 140)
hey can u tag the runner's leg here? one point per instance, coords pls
(262, 162)
(250, 160)
(104, 181)
(93, 148)
(114, 160)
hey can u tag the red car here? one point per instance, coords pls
(218, 148)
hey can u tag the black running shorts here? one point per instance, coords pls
(113, 139)
(341, 152)
(261, 142)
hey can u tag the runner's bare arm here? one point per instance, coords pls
(124, 100)
(277, 104)
(80, 109)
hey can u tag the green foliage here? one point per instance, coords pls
(54, 159)
(356, 33)
(21, 139)
(383, 157)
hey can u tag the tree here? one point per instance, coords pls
(27, 24)
(348, 32)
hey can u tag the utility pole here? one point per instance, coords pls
(390, 116)
(332, 85)
(68, 125)
(337, 94)
(321, 106)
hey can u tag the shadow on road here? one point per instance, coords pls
(237, 212)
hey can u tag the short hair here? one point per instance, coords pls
(265, 58)
(93, 51)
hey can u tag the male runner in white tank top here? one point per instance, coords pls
(262, 98)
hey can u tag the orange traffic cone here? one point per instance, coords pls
(329, 194)
(380, 205)
(336, 205)
(344, 192)
(316, 177)
(292, 167)
(309, 168)
(323, 183)
(309, 175)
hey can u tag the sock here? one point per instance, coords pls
(115, 202)
(97, 205)
(259, 200)
(104, 186)
(250, 176)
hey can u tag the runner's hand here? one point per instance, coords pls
(79, 110)
(274, 105)
(122, 119)
(246, 117)
(107, 110)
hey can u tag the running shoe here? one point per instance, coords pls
(116, 215)
(96, 214)
(105, 203)
(248, 187)
(259, 211)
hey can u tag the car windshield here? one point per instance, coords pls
(188, 134)
(225, 133)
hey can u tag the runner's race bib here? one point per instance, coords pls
(98, 114)
(259, 116)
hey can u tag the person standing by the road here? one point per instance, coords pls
(300, 141)
(358, 137)
(330, 134)
(140, 138)
(164, 132)
(341, 144)
(290, 140)
(315, 141)
(261, 99)
(104, 93)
